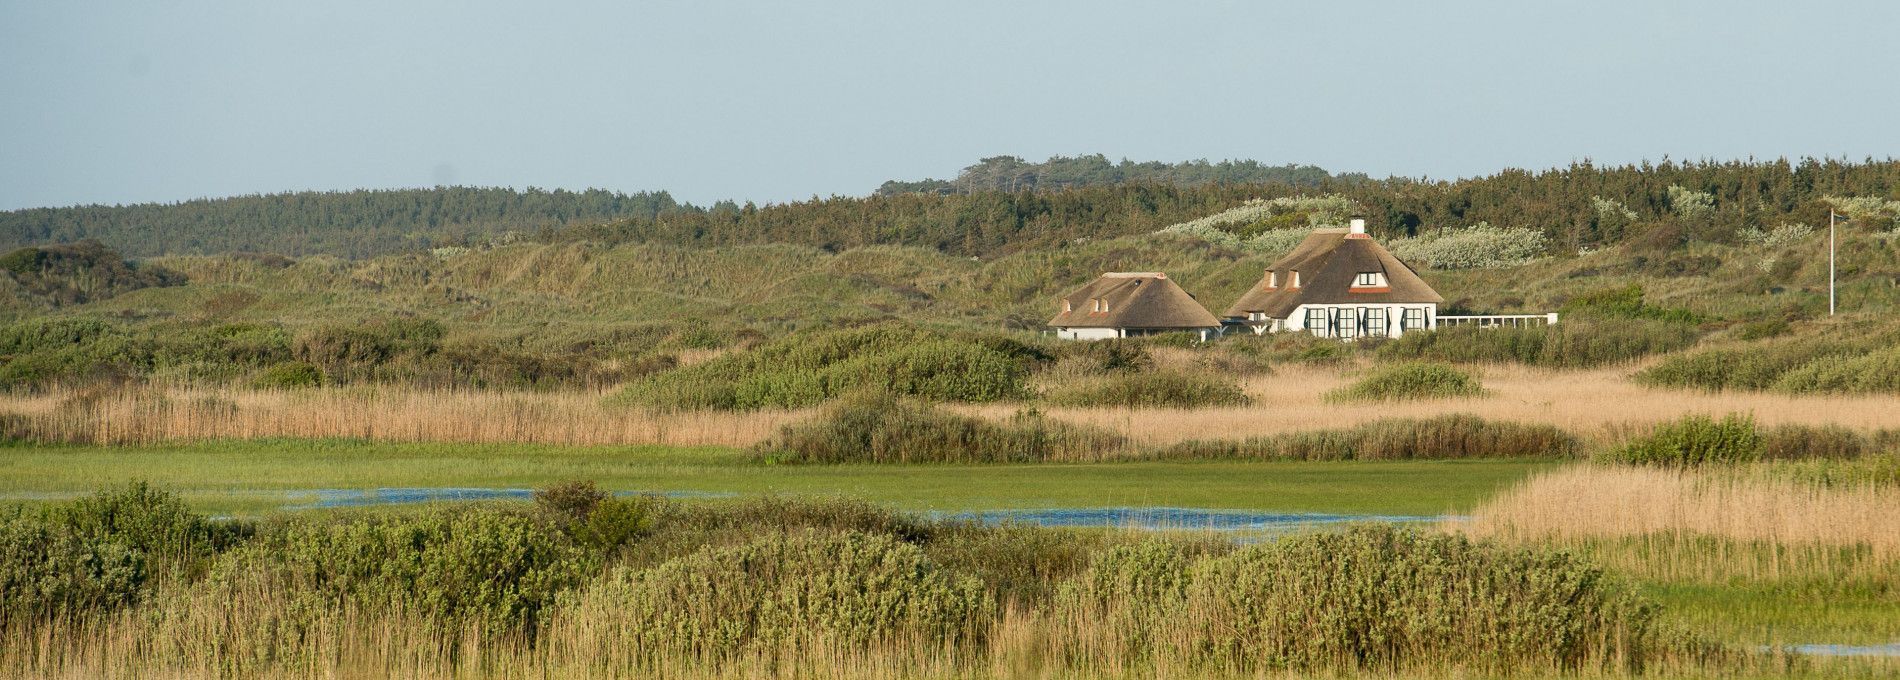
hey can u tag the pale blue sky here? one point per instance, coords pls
(163, 100)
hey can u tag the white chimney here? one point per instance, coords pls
(1358, 226)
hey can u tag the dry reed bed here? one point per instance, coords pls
(1598, 405)
(148, 416)
(1603, 502)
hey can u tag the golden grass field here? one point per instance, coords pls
(1595, 404)
(1599, 405)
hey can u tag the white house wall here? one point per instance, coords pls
(1088, 333)
(1395, 316)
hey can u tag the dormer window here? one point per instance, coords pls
(1067, 307)
(1098, 305)
(1296, 279)
(1369, 280)
(1273, 279)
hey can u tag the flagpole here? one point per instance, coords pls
(1830, 263)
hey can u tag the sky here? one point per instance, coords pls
(168, 100)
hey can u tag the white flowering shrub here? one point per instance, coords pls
(448, 252)
(1609, 208)
(1479, 246)
(1782, 235)
(1862, 207)
(1269, 226)
(1688, 202)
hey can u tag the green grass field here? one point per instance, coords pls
(252, 476)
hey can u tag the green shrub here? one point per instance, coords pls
(808, 368)
(879, 428)
(1763, 328)
(1370, 598)
(1803, 442)
(1876, 372)
(289, 375)
(1571, 344)
(1695, 440)
(462, 566)
(102, 551)
(593, 517)
(1410, 380)
(1171, 390)
(786, 591)
(1626, 303)
(49, 571)
(1448, 436)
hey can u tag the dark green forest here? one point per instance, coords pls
(355, 224)
(1657, 206)
(1009, 173)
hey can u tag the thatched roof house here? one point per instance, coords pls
(1339, 283)
(1129, 304)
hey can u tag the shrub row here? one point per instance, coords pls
(1410, 380)
(1578, 343)
(879, 428)
(1149, 389)
(1699, 439)
(1441, 437)
(808, 368)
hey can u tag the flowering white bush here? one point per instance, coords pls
(1479, 246)
(1782, 235)
(1860, 207)
(447, 252)
(1690, 203)
(1609, 207)
(1224, 228)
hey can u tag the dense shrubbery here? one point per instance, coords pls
(1695, 440)
(1571, 344)
(808, 368)
(1796, 365)
(1479, 246)
(1447, 436)
(764, 580)
(1410, 380)
(1626, 302)
(78, 273)
(1149, 389)
(100, 552)
(492, 568)
(782, 592)
(882, 429)
(1370, 598)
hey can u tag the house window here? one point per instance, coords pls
(1346, 323)
(1375, 322)
(1066, 307)
(1296, 280)
(1369, 280)
(1316, 322)
(1273, 279)
(1414, 319)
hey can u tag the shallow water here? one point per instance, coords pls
(352, 498)
(1892, 650)
(1162, 519)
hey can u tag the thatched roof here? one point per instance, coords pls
(1328, 261)
(1134, 300)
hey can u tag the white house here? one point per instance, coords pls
(1339, 283)
(1131, 304)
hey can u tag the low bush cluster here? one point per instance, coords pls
(1441, 437)
(1370, 598)
(1410, 380)
(1571, 344)
(1695, 440)
(783, 592)
(725, 584)
(1479, 246)
(1794, 365)
(808, 368)
(1149, 389)
(879, 428)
